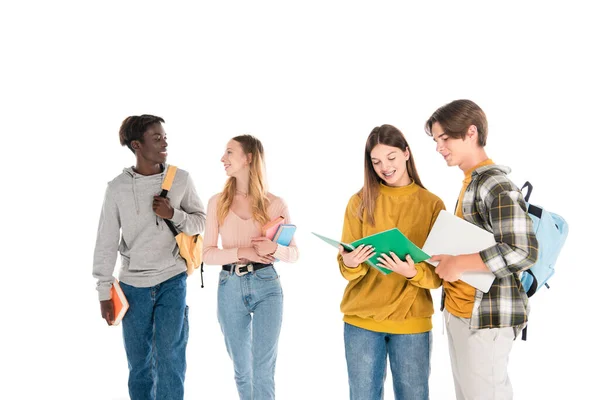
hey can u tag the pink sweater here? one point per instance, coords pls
(237, 232)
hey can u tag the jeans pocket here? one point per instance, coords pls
(223, 277)
(266, 274)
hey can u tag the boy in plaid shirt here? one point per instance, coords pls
(482, 326)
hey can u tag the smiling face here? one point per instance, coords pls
(153, 147)
(389, 164)
(235, 160)
(455, 151)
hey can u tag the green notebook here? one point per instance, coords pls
(384, 242)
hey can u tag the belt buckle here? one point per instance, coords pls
(243, 269)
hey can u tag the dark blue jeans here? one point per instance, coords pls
(155, 332)
(366, 356)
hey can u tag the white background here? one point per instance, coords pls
(310, 79)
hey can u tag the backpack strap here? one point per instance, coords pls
(168, 180)
(529, 187)
(531, 209)
(166, 186)
(533, 287)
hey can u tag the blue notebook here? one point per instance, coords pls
(284, 234)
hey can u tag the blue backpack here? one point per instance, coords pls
(551, 232)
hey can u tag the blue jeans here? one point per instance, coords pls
(155, 332)
(366, 356)
(250, 310)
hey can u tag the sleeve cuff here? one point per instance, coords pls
(493, 259)
(178, 217)
(352, 273)
(419, 275)
(232, 254)
(361, 270)
(104, 293)
(278, 252)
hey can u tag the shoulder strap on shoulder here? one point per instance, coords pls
(166, 186)
(169, 176)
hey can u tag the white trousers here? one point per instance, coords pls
(479, 360)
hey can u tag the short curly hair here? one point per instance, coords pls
(134, 127)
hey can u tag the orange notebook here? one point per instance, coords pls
(120, 303)
(270, 228)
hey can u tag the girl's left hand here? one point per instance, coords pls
(393, 262)
(264, 246)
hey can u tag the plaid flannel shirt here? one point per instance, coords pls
(494, 203)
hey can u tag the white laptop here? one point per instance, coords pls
(454, 236)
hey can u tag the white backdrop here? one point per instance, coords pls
(310, 79)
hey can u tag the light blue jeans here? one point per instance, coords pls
(250, 311)
(155, 331)
(366, 356)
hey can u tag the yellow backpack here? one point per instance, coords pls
(190, 247)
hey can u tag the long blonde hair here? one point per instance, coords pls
(257, 184)
(390, 136)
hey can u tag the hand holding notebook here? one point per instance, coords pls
(277, 233)
(386, 242)
(270, 228)
(119, 304)
(454, 236)
(284, 234)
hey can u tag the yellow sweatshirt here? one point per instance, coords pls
(391, 303)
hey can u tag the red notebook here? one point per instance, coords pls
(270, 228)
(119, 301)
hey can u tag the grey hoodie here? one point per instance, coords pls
(128, 225)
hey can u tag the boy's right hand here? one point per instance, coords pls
(107, 311)
(354, 258)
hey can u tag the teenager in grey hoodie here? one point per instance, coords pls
(153, 274)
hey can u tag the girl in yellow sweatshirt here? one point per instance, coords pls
(388, 314)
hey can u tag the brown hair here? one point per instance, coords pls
(456, 117)
(257, 184)
(390, 136)
(134, 127)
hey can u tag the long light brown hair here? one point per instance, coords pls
(390, 136)
(257, 184)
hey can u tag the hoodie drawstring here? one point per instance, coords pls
(135, 199)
